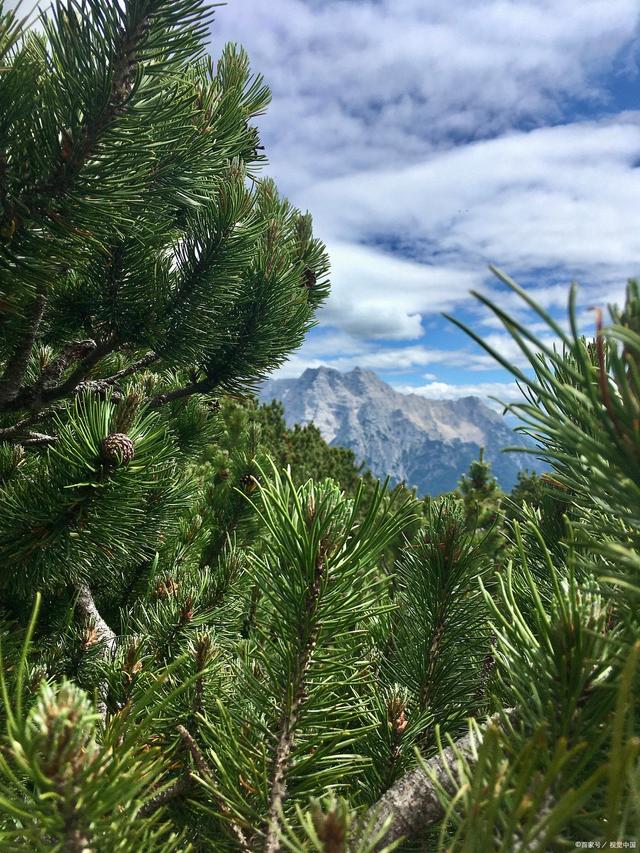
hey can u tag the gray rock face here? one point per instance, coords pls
(426, 443)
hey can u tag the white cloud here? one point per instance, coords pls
(376, 104)
(558, 195)
(387, 359)
(363, 83)
(378, 295)
(561, 198)
(505, 392)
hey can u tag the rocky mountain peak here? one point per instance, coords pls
(426, 443)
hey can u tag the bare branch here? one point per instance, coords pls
(201, 387)
(412, 803)
(38, 439)
(98, 633)
(13, 432)
(10, 432)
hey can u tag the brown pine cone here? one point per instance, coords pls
(117, 449)
(309, 279)
(248, 483)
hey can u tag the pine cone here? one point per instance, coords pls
(248, 483)
(309, 279)
(117, 449)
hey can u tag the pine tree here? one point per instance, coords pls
(482, 499)
(480, 492)
(246, 427)
(529, 488)
(144, 266)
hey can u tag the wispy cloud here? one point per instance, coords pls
(342, 351)
(432, 139)
(557, 195)
(367, 83)
(553, 204)
(379, 295)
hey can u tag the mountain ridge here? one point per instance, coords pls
(424, 442)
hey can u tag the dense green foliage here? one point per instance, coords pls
(218, 633)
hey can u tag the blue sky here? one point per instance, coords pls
(430, 139)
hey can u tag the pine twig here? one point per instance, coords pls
(412, 803)
(16, 366)
(204, 386)
(74, 351)
(196, 753)
(10, 432)
(122, 73)
(13, 433)
(185, 782)
(38, 439)
(34, 396)
(289, 722)
(82, 369)
(179, 787)
(141, 363)
(279, 774)
(206, 771)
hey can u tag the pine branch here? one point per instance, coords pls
(82, 370)
(279, 773)
(17, 365)
(412, 803)
(140, 364)
(179, 787)
(290, 717)
(74, 154)
(185, 782)
(38, 439)
(102, 635)
(35, 397)
(432, 657)
(196, 753)
(206, 771)
(123, 74)
(204, 386)
(12, 431)
(73, 351)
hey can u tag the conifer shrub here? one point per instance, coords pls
(201, 650)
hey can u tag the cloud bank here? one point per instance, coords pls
(431, 139)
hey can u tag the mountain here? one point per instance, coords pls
(427, 443)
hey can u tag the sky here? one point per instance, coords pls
(431, 138)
